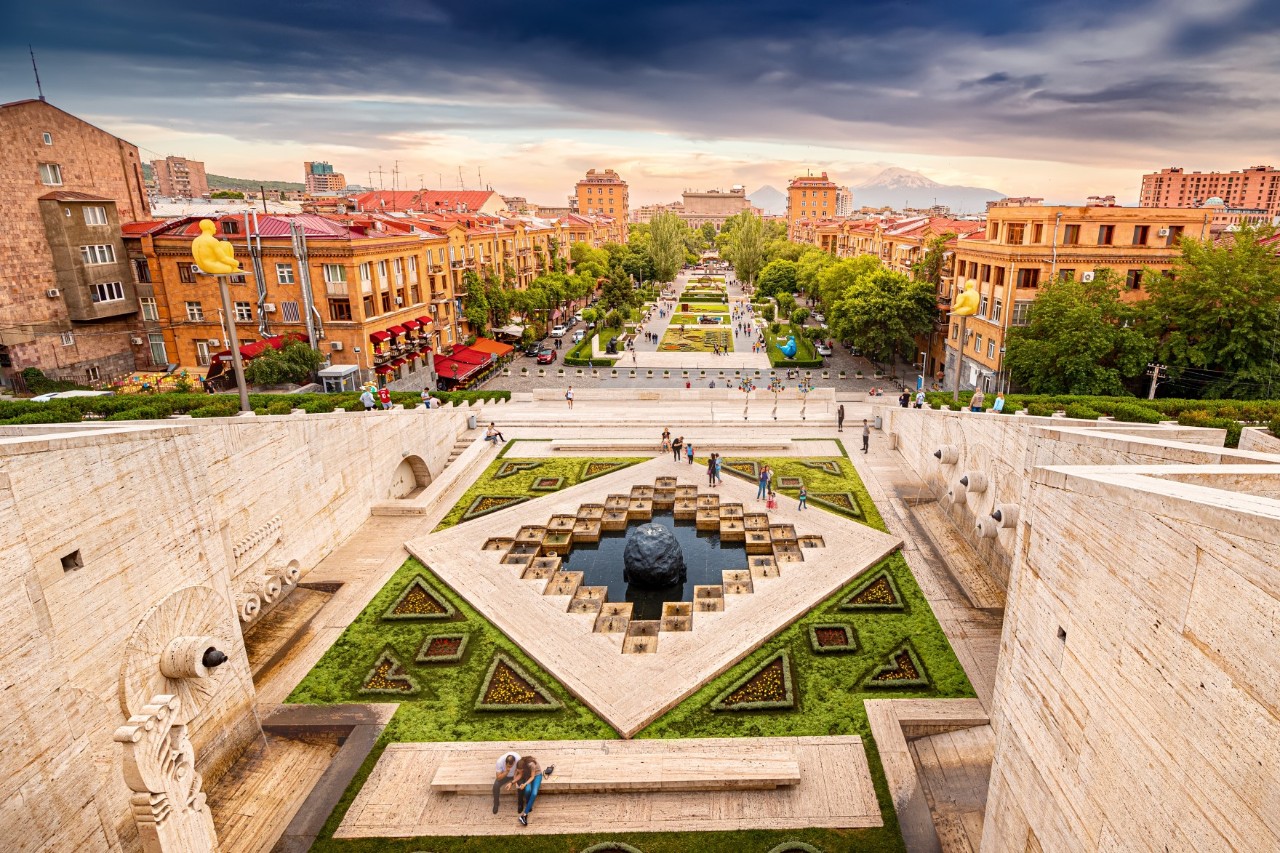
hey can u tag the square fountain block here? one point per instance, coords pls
(526, 549)
(594, 593)
(617, 502)
(563, 583)
(707, 519)
(640, 509)
(708, 598)
(561, 522)
(614, 519)
(531, 533)
(522, 560)
(756, 521)
(593, 512)
(709, 502)
(664, 498)
(787, 552)
(686, 509)
(677, 616)
(613, 617)
(783, 532)
(764, 566)
(731, 511)
(538, 573)
(737, 582)
(557, 542)
(498, 543)
(641, 637)
(645, 492)
(686, 491)
(550, 561)
(732, 530)
(665, 483)
(758, 542)
(586, 530)
(812, 542)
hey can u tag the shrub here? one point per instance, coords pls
(279, 407)
(216, 410)
(767, 313)
(294, 363)
(1136, 413)
(1082, 412)
(1274, 426)
(1041, 410)
(38, 383)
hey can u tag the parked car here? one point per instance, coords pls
(546, 355)
(558, 331)
(577, 318)
(819, 319)
(822, 348)
(578, 336)
(531, 350)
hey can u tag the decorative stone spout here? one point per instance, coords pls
(652, 558)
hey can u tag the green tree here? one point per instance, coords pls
(744, 246)
(932, 264)
(294, 363)
(883, 311)
(810, 266)
(708, 234)
(226, 194)
(667, 245)
(822, 275)
(777, 277)
(1218, 311)
(786, 303)
(475, 305)
(799, 315)
(618, 292)
(1080, 338)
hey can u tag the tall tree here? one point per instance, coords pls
(1080, 338)
(746, 245)
(818, 273)
(667, 245)
(777, 277)
(1217, 314)
(883, 311)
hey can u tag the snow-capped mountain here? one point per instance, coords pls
(900, 188)
(768, 199)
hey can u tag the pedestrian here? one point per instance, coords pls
(840, 418)
(384, 394)
(763, 486)
(718, 480)
(676, 446)
(426, 398)
(920, 399)
(904, 399)
(666, 439)
(568, 396)
(557, 343)
(367, 399)
(711, 470)
(975, 402)
(528, 779)
(804, 496)
(688, 451)
(866, 435)
(772, 502)
(998, 406)
(506, 773)
(494, 435)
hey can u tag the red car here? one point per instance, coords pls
(546, 355)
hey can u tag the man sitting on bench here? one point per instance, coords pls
(506, 768)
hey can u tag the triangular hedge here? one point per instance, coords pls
(591, 470)
(507, 687)
(830, 466)
(510, 469)
(903, 669)
(420, 601)
(842, 502)
(766, 687)
(747, 469)
(485, 504)
(388, 676)
(877, 593)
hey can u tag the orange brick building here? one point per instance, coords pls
(1254, 188)
(810, 198)
(602, 193)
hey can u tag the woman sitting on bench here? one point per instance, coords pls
(528, 781)
(493, 434)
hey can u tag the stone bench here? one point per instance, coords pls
(686, 771)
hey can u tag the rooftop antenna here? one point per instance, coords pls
(461, 185)
(35, 69)
(440, 180)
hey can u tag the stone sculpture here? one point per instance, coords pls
(652, 558)
(168, 804)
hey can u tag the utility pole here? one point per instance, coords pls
(1154, 371)
(237, 363)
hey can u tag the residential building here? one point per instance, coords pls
(178, 177)
(714, 206)
(810, 198)
(519, 205)
(70, 302)
(1254, 188)
(602, 193)
(844, 202)
(431, 201)
(319, 177)
(1024, 247)
(646, 212)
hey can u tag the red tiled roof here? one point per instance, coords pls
(424, 200)
(138, 229)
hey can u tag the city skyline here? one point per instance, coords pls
(1059, 103)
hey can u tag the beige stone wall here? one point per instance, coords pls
(153, 509)
(1137, 702)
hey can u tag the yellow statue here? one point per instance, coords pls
(213, 256)
(966, 304)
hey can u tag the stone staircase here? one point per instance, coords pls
(459, 447)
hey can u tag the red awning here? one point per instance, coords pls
(399, 362)
(379, 337)
(382, 369)
(426, 321)
(467, 355)
(396, 330)
(258, 347)
(410, 324)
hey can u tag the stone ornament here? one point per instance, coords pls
(958, 495)
(1006, 515)
(653, 559)
(947, 454)
(974, 481)
(266, 589)
(987, 528)
(253, 547)
(248, 606)
(168, 805)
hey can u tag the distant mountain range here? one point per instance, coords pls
(770, 200)
(902, 188)
(222, 182)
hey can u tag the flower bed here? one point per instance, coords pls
(765, 688)
(485, 504)
(547, 484)
(831, 466)
(388, 677)
(510, 469)
(443, 648)
(877, 593)
(903, 670)
(825, 638)
(841, 502)
(789, 482)
(744, 468)
(591, 470)
(420, 601)
(507, 687)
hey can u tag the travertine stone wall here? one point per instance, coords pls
(1137, 701)
(152, 510)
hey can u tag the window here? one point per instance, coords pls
(101, 254)
(96, 215)
(998, 280)
(1140, 234)
(1175, 234)
(1037, 233)
(340, 310)
(68, 338)
(237, 279)
(1029, 278)
(1066, 275)
(244, 312)
(1133, 279)
(284, 273)
(977, 343)
(149, 310)
(51, 174)
(186, 274)
(1106, 235)
(415, 296)
(230, 226)
(955, 331)
(413, 268)
(368, 306)
(382, 274)
(1021, 308)
(92, 373)
(982, 305)
(141, 271)
(195, 312)
(995, 311)
(72, 561)
(1071, 235)
(289, 311)
(991, 348)
(47, 137)
(1014, 233)
(107, 291)
(156, 341)
(202, 353)
(386, 301)
(399, 268)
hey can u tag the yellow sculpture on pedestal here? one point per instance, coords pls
(966, 304)
(213, 256)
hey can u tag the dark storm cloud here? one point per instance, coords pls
(1014, 72)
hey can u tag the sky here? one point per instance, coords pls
(1053, 99)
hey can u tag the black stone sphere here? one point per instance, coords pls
(652, 558)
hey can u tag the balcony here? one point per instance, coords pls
(456, 265)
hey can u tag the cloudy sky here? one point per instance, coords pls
(1053, 99)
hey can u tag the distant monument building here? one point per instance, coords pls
(714, 206)
(178, 177)
(319, 177)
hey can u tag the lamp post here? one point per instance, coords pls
(746, 386)
(775, 385)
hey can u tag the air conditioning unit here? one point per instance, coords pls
(1086, 276)
(137, 342)
(52, 293)
(336, 346)
(195, 269)
(269, 307)
(1163, 232)
(214, 342)
(399, 301)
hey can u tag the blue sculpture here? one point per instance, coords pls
(789, 348)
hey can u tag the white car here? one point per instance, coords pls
(577, 318)
(822, 348)
(61, 395)
(820, 320)
(558, 331)
(578, 336)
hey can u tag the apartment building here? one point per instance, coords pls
(810, 198)
(178, 177)
(603, 193)
(714, 206)
(318, 177)
(70, 302)
(1255, 188)
(1025, 246)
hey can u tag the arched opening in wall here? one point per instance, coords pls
(411, 477)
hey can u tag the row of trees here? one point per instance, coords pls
(1213, 321)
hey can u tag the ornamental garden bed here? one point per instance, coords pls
(420, 601)
(547, 484)
(903, 670)
(507, 687)
(841, 502)
(388, 677)
(768, 687)
(828, 637)
(485, 504)
(442, 648)
(876, 593)
(512, 467)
